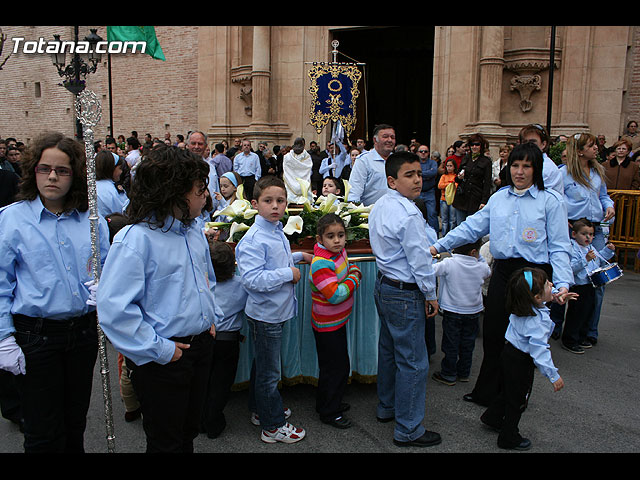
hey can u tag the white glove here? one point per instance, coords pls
(11, 356)
(93, 289)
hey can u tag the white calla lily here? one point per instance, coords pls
(249, 213)
(347, 187)
(209, 225)
(236, 227)
(238, 207)
(294, 225)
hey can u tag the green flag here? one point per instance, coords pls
(137, 34)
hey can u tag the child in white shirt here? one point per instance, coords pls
(461, 278)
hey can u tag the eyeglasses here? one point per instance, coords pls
(423, 151)
(60, 171)
(475, 144)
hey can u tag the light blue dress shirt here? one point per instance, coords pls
(110, 199)
(45, 262)
(583, 268)
(399, 241)
(532, 225)
(231, 297)
(584, 202)
(264, 261)
(551, 175)
(156, 284)
(368, 179)
(339, 161)
(531, 335)
(247, 165)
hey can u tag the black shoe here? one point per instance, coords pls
(593, 340)
(490, 425)
(577, 349)
(525, 444)
(586, 344)
(385, 420)
(131, 416)
(428, 439)
(437, 376)
(345, 407)
(339, 422)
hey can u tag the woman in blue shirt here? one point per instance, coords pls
(111, 197)
(527, 224)
(585, 194)
(48, 333)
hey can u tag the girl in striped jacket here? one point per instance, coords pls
(333, 284)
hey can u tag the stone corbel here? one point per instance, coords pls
(242, 76)
(526, 64)
(526, 84)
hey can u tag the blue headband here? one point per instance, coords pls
(529, 278)
(232, 178)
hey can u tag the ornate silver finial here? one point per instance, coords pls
(88, 108)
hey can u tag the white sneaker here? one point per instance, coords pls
(285, 434)
(256, 421)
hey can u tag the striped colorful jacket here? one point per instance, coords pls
(333, 283)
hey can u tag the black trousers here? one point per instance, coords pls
(334, 370)
(172, 396)
(60, 356)
(224, 365)
(579, 311)
(495, 323)
(504, 412)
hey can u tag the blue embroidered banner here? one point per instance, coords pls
(334, 91)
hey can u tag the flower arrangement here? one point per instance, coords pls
(300, 219)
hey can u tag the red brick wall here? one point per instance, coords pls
(146, 93)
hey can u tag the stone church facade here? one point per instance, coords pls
(252, 82)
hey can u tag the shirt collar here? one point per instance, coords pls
(265, 224)
(40, 211)
(532, 190)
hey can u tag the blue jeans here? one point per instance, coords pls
(461, 215)
(448, 215)
(459, 334)
(429, 198)
(403, 363)
(264, 397)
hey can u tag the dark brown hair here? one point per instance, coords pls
(223, 259)
(326, 220)
(162, 181)
(106, 164)
(266, 182)
(520, 296)
(76, 197)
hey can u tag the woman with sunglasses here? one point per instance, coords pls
(48, 330)
(474, 179)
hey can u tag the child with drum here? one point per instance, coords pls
(584, 261)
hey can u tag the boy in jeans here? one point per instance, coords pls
(266, 266)
(405, 295)
(460, 298)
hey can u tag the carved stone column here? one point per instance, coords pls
(261, 75)
(491, 67)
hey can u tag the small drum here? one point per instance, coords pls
(605, 275)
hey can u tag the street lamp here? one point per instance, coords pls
(81, 64)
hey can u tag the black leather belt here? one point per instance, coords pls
(189, 338)
(397, 283)
(229, 336)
